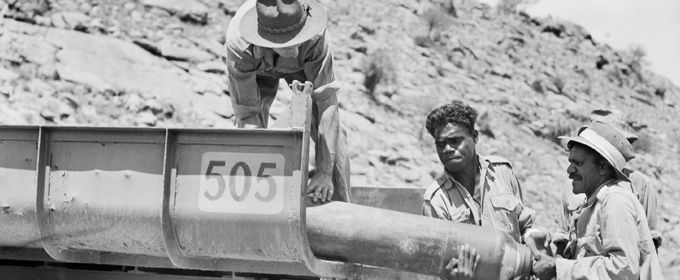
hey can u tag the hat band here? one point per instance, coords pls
(608, 150)
(305, 11)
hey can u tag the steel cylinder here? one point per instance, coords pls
(377, 237)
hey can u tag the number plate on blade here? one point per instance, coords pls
(243, 183)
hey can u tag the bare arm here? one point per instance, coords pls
(327, 131)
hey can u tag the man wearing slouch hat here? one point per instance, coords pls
(639, 184)
(268, 40)
(612, 239)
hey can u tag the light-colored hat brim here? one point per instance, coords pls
(314, 24)
(581, 140)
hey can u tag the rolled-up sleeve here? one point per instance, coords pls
(241, 67)
(526, 220)
(318, 61)
(563, 221)
(243, 89)
(527, 216)
(619, 257)
(647, 198)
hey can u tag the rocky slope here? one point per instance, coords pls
(157, 63)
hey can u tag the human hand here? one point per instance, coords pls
(539, 243)
(320, 188)
(544, 267)
(464, 267)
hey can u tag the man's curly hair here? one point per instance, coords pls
(455, 112)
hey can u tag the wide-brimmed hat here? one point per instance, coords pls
(282, 23)
(614, 119)
(607, 141)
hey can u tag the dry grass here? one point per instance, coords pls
(511, 6)
(559, 126)
(437, 21)
(378, 68)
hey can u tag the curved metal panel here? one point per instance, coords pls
(101, 198)
(18, 154)
(233, 201)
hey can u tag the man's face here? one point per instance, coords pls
(583, 170)
(455, 146)
(288, 52)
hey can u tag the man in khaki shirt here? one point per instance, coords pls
(496, 200)
(271, 40)
(475, 189)
(639, 184)
(611, 237)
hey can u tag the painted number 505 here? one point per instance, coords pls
(242, 183)
(241, 169)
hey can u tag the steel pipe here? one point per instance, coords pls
(400, 241)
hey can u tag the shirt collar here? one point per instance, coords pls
(260, 52)
(484, 164)
(445, 179)
(599, 193)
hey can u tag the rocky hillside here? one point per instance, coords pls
(157, 63)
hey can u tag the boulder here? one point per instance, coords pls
(145, 118)
(25, 48)
(213, 66)
(153, 105)
(190, 9)
(70, 20)
(213, 105)
(110, 64)
(212, 46)
(357, 123)
(203, 82)
(184, 52)
(54, 110)
(7, 75)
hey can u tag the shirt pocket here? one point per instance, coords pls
(590, 245)
(505, 213)
(461, 215)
